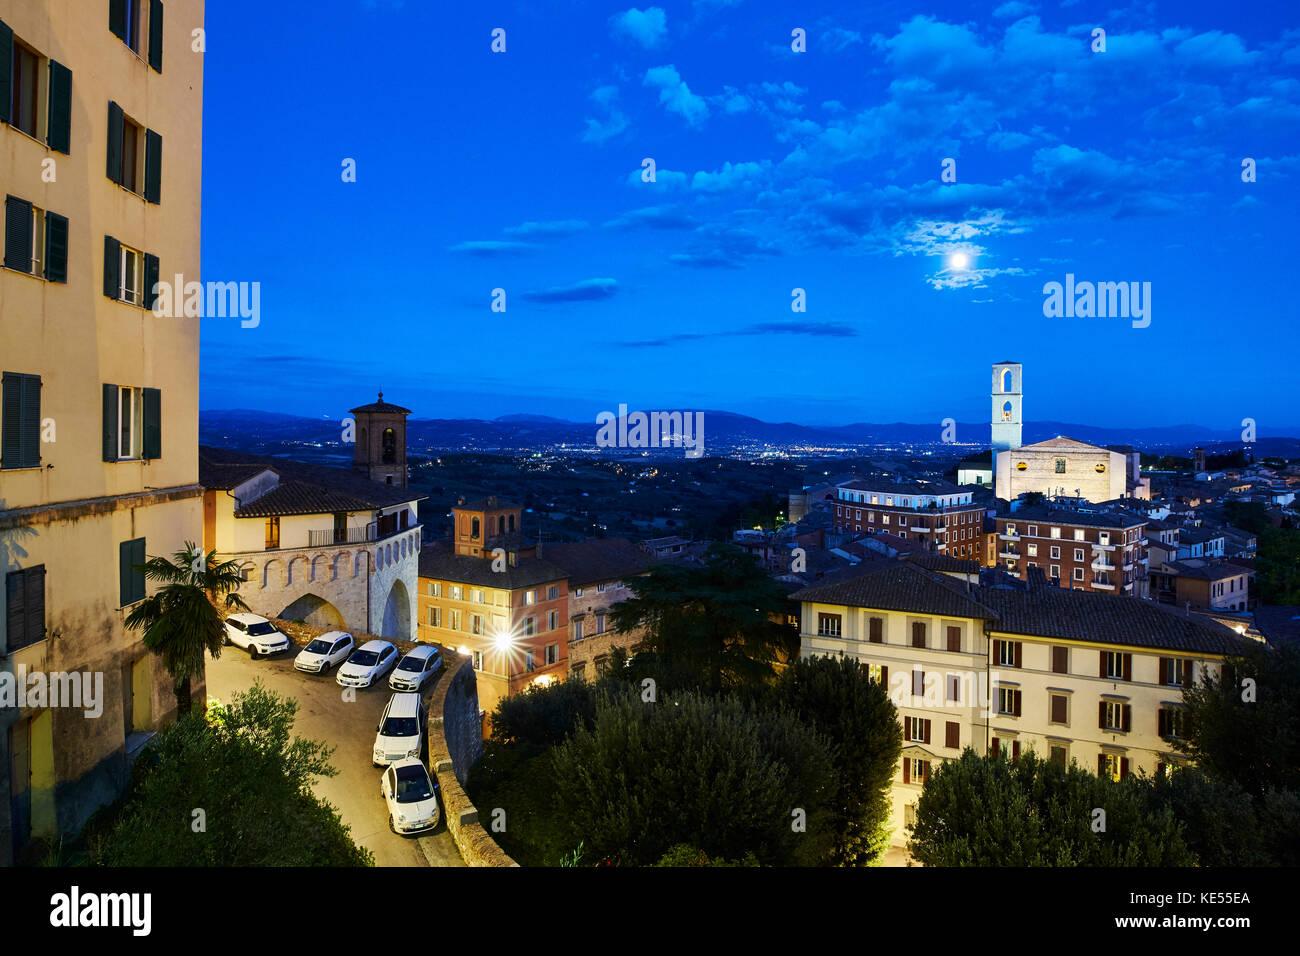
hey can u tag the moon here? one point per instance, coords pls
(958, 261)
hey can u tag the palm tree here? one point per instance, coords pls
(180, 620)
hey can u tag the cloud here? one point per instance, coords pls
(556, 228)
(675, 96)
(837, 39)
(492, 247)
(810, 329)
(665, 179)
(730, 176)
(654, 217)
(585, 291)
(612, 121)
(1013, 9)
(646, 27)
(724, 247)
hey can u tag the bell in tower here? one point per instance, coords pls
(380, 449)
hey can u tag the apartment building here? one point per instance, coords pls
(1074, 675)
(1086, 550)
(101, 135)
(597, 572)
(939, 514)
(490, 596)
(1202, 584)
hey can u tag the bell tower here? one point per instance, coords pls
(1007, 398)
(379, 451)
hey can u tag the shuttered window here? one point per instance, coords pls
(151, 437)
(152, 166)
(56, 247)
(6, 71)
(130, 578)
(24, 607)
(1059, 709)
(58, 134)
(1060, 660)
(20, 421)
(954, 638)
(918, 634)
(952, 735)
(877, 630)
(18, 234)
(155, 34)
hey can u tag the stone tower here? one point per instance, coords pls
(379, 452)
(1007, 398)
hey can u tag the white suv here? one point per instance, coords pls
(416, 668)
(328, 650)
(254, 634)
(367, 664)
(400, 732)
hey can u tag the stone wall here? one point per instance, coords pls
(455, 745)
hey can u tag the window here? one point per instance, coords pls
(954, 638)
(600, 623)
(953, 688)
(20, 421)
(1060, 660)
(915, 770)
(1059, 753)
(552, 592)
(36, 241)
(476, 624)
(455, 619)
(1078, 574)
(1176, 671)
(1008, 653)
(1058, 709)
(577, 630)
(600, 588)
(828, 625)
(1054, 572)
(1056, 532)
(1060, 466)
(435, 589)
(577, 592)
(1078, 554)
(435, 617)
(1171, 722)
(552, 653)
(578, 671)
(1009, 701)
(24, 607)
(918, 634)
(1112, 765)
(130, 555)
(530, 626)
(602, 663)
(1116, 666)
(552, 620)
(918, 730)
(952, 735)
(1114, 715)
(134, 155)
(1032, 531)
(456, 592)
(1056, 553)
(530, 597)
(478, 660)
(1103, 537)
(1031, 550)
(1006, 745)
(876, 630)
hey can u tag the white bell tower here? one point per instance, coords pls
(1007, 398)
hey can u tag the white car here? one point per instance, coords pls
(400, 732)
(328, 650)
(416, 668)
(412, 796)
(254, 634)
(367, 664)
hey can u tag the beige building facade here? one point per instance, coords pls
(100, 156)
(1061, 467)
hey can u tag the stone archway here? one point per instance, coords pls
(315, 611)
(397, 613)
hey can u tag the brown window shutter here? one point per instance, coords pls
(1164, 671)
(1128, 666)
(1101, 715)
(884, 676)
(907, 770)
(1123, 767)
(925, 771)
(1058, 708)
(1188, 669)
(1018, 646)
(925, 725)
(1101, 765)
(953, 735)
(1128, 716)
(877, 630)
(1101, 668)
(1015, 702)
(954, 638)
(996, 751)
(1015, 750)
(997, 650)
(1059, 660)
(1160, 768)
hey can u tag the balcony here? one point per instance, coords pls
(1103, 585)
(1100, 565)
(1009, 552)
(371, 532)
(1103, 547)
(1009, 536)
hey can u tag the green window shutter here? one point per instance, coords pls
(34, 604)
(130, 579)
(18, 234)
(110, 423)
(112, 267)
(59, 135)
(117, 18)
(152, 167)
(137, 557)
(6, 71)
(150, 280)
(116, 130)
(10, 419)
(15, 610)
(152, 423)
(29, 421)
(124, 584)
(56, 247)
(155, 34)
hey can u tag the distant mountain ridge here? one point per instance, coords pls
(246, 427)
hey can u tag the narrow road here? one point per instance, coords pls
(349, 727)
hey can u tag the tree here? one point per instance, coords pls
(180, 620)
(988, 811)
(725, 620)
(700, 771)
(835, 697)
(235, 791)
(540, 716)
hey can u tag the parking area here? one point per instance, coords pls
(349, 727)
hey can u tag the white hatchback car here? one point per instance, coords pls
(416, 668)
(412, 796)
(400, 732)
(254, 634)
(328, 650)
(367, 664)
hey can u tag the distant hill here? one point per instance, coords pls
(245, 428)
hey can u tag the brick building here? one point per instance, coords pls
(1090, 551)
(937, 513)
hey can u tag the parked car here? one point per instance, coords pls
(254, 634)
(367, 664)
(415, 669)
(400, 731)
(328, 650)
(412, 796)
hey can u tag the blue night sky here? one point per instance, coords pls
(775, 170)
